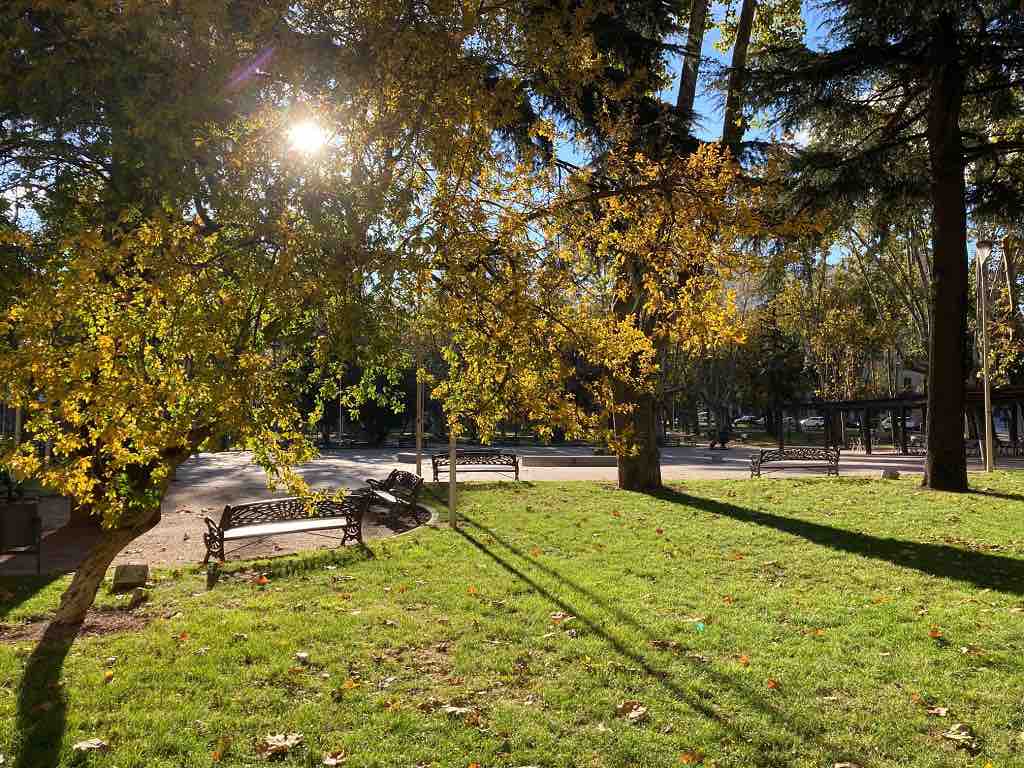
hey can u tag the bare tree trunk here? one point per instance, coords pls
(733, 126)
(946, 464)
(691, 61)
(1010, 270)
(80, 594)
(642, 471)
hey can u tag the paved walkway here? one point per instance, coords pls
(207, 482)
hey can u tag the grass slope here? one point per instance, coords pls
(760, 623)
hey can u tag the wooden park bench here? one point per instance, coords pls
(275, 517)
(398, 491)
(811, 458)
(476, 461)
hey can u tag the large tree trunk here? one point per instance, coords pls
(691, 61)
(80, 594)
(642, 471)
(946, 465)
(733, 126)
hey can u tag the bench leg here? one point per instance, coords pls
(214, 547)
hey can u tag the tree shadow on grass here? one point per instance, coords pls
(588, 614)
(987, 571)
(42, 704)
(15, 590)
(288, 565)
(998, 495)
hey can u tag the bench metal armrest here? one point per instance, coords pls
(212, 525)
(375, 484)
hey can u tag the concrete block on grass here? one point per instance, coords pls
(130, 576)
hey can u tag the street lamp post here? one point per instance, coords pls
(982, 251)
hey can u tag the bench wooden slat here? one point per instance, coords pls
(285, 526)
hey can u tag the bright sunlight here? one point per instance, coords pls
(307, 137)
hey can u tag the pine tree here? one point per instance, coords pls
(902, 99)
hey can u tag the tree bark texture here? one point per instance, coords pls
(733, 126)
(946, 464)
(691, 61)
(80, 594)
(642, 471)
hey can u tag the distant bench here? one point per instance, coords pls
(275, 517)
(808, 458)
(476, 461)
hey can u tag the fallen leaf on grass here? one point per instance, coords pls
(935, 633)
(91, 745)
(691, 758)
(560, 617)
(454, 711)
(845, 765)
(773, 684)
(963, 736)
(744, 660)
(335, 758)
(472, 590)
(938, 711)
(262, 580)
(632, 710)
(223, 743)
(278, 745)
(108, 676)
(665, 645)
(536, 552)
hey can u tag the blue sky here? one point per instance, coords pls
(709, 111)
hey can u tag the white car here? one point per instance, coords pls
(813, 422)
(913, 425)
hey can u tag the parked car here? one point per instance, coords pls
(913, 424)
(789, 422)
(813, 422)
(749, 421)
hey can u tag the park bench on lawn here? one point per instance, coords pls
(275, 517)
(476, 461)
(398, 491)
(806, 457)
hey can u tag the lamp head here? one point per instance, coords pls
(983, 249)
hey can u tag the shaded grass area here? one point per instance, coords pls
(759, 623)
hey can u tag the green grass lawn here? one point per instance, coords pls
(803, 622)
